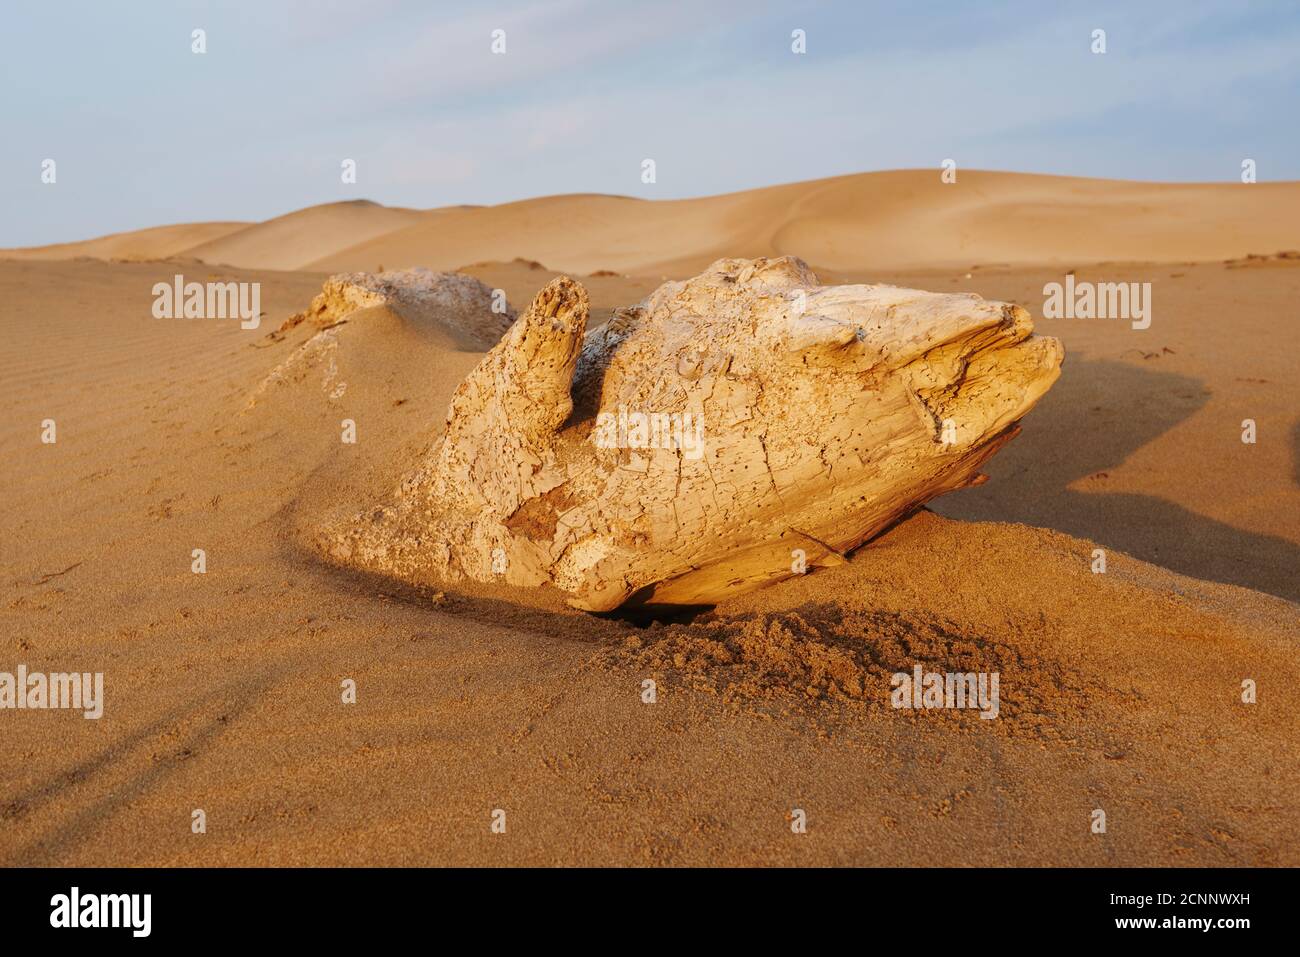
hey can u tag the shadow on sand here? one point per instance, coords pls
(1093, 419)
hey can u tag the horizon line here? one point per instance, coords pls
(646, 199)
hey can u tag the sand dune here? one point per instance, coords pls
(295, 240)
(158, 242)
(286, 242)
(865, 221)
(1121, 690)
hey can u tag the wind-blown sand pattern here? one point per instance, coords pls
(1119, 690)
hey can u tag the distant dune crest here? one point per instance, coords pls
(865, 221)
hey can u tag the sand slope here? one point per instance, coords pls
(867, 221)
(295, 240)
(1121, 691)
(158, 242)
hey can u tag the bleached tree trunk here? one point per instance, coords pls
(726, 433)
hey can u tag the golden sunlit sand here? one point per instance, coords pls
(1120, 690)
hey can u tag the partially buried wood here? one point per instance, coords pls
(732, 430)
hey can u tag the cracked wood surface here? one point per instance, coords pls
(823, 414)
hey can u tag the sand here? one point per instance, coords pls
(1120, 691)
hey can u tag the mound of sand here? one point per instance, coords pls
(835, 655)
(297, 239)
(141, 245)
(474, 314)
(376, 330)
(866, 221)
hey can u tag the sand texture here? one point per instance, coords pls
(1120, 691)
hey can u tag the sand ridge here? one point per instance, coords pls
(865, 221)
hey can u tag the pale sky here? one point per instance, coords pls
(145, 132)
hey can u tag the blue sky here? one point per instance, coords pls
(145, 132)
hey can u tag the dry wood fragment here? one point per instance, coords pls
(698, 444)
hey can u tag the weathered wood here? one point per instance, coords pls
(704, 442)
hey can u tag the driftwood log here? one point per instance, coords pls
(732, 430)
